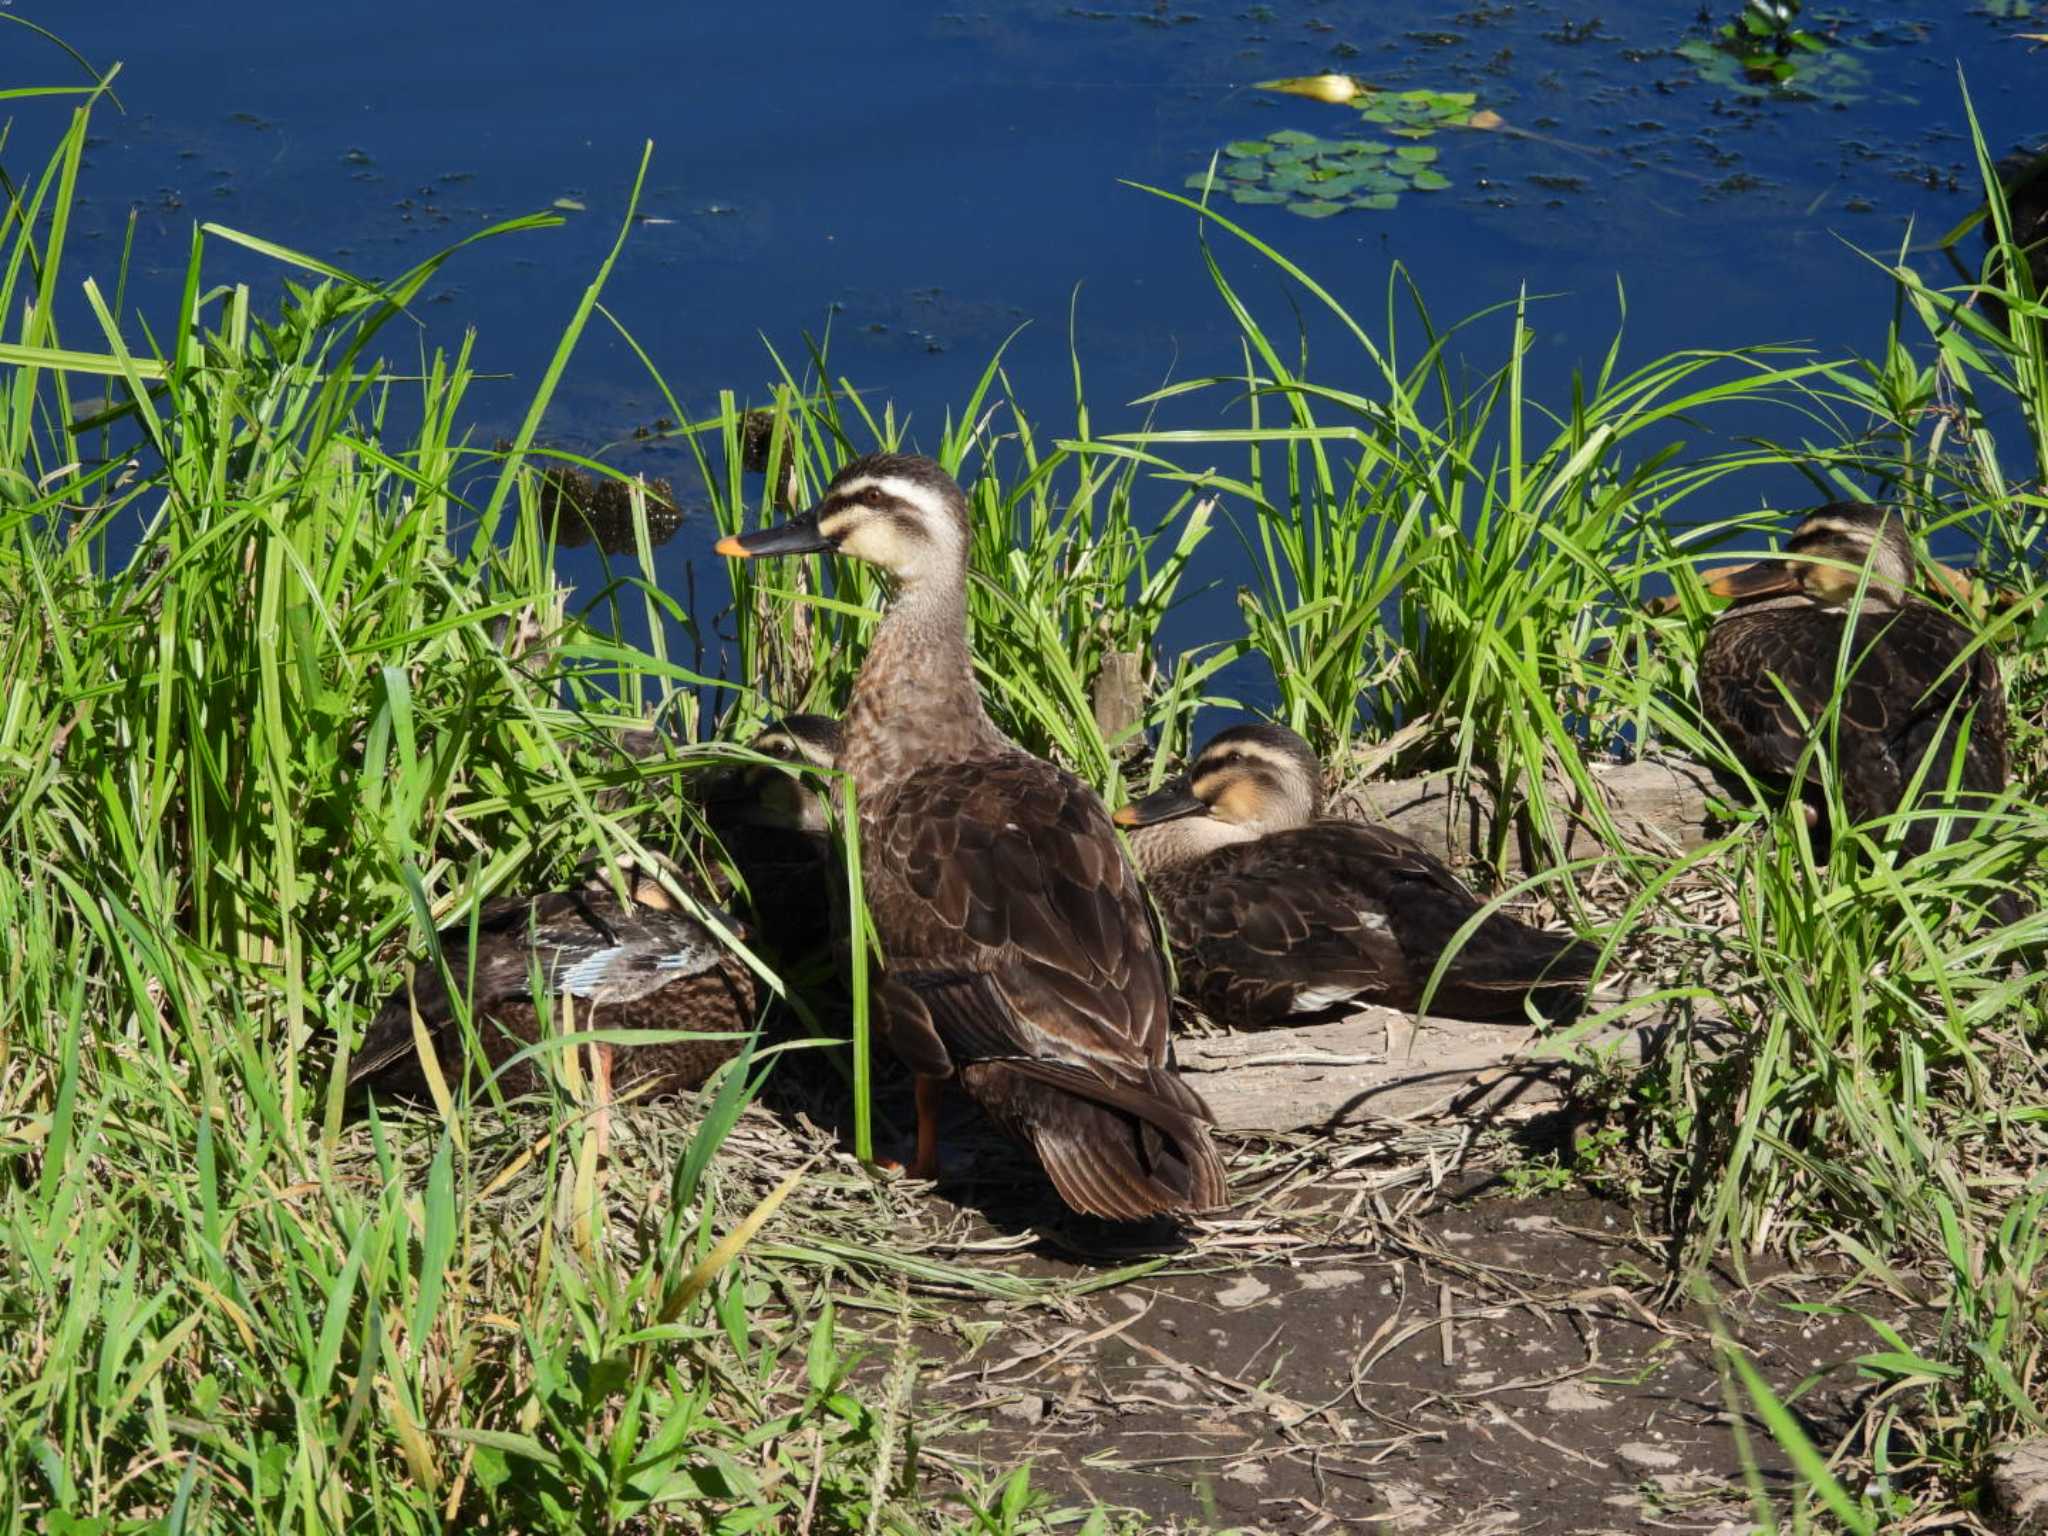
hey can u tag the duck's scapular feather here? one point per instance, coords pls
(630, 965)
(1911, 683)
(1278, 914)
(1018, 957)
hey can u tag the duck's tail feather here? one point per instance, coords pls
(1121, 1151)
(1507, 961)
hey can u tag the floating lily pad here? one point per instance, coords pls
(1317, 178)
(1765, 52)
(1416, 114)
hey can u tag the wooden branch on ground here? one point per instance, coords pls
(1658, 804)
(1380, 1064)
(2019, 1487)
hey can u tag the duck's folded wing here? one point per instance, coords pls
(1009, 872)
(1764, 679)
(1916, 690)
(584, 943)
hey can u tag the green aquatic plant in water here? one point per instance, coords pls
(1765, 52)
(1416, 114)
(1317, 178)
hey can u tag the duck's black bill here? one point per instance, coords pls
(1763, 579)
(1168, 804)
(799, 536)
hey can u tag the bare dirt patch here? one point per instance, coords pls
(1368, 1351)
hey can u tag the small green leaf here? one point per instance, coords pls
(1379, 202)
(1290, 136)
(1247, 147)
(1312, 209)
(1419, 153)
(1244, 194)
(1431, 181)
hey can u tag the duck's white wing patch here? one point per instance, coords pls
(619, 973)
(1316, 999)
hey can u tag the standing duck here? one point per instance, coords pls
(1018, 957)
(1913, 684)
(1276, 912)
(772, 825)
(642, 964)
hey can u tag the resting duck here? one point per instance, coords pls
(772, 824)
(1276, 912)
(1018, 957)
(1767, 671)
(641, 964)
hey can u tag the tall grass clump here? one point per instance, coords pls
(1072, 564)
(1442, 560)
(288, 682)
(1461, 572)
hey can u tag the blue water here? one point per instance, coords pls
(925, 182)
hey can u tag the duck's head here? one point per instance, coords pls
(1824, 560)
(1248, 781)
(896, 511)
(763, 795)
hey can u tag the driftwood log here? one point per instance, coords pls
(1658, 804)
(2019, 1487)
(1380, 1064)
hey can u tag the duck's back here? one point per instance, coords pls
(1766, 678)
(1020, 955)
(1337, 913)
(624, 966)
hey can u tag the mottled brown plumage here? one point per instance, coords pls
(1767, 673)
(630, 966)
(1018, 955)
(1276, 913)
(772, 824)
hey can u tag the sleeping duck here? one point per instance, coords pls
(1278, 914)
(1915, 682)
(601, 964)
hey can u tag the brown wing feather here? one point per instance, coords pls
(629, 967)
(1016, 936)
(1338, 911)
(1766, 676)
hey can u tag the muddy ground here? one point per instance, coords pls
(1380, 1339)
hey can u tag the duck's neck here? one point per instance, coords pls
(1170, 844)
(915, 701)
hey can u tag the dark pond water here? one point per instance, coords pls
(928, 180)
